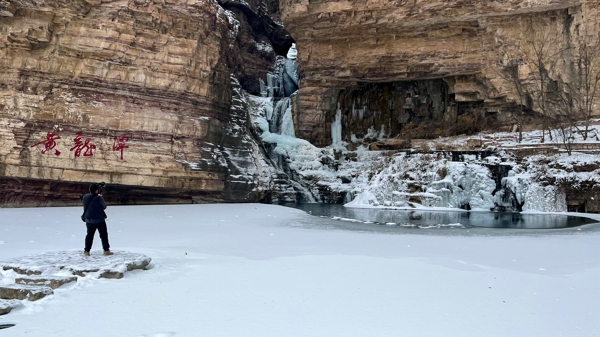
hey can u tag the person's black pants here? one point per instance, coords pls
(91, 231)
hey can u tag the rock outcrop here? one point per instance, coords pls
(139, 94)
(32, 278)
(421, 68)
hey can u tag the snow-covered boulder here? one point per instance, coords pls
(7, 306)
(24, 292)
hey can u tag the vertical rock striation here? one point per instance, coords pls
(139, 93)
(356, 49)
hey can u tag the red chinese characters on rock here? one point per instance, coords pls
(119, 144)
(49, 143)
(83, 146)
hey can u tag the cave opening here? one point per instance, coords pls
(423, 109)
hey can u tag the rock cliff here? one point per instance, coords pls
(421, 68)
(150, 96)
(142, 94)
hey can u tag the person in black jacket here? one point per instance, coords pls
(94, 206)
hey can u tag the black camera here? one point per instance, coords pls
(101, 187)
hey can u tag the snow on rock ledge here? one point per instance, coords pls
(34, 277)
(53, 281)
(77, 264)
(24, 292)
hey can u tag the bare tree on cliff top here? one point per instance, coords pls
(510, 73)
(536, 63)
(542, 49)
(579, 94)
(530, 62)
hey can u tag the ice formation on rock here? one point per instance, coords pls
(336, 127)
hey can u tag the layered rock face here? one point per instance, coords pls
(374, 58)
(141, 94)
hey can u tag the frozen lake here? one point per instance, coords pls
(439, 219)
(270, 271)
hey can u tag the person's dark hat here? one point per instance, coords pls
(94, 188)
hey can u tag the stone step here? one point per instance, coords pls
(103, 274)
(7, 305)
(22, 271)
(47, 281)
(36, 277)
(24, 292)
(112, 274)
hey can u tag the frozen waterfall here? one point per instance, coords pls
(281, 120)
(287, 122)
(284, 81)
(336, 127)
(435, 180)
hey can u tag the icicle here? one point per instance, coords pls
(336, 127)
(382, 132)
(269, 112)
(358, 113)
(287, 122)
(263, 88)
(276, 121)
(271, 84)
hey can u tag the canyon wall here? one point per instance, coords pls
(141, 94)
(150, 95)
(368, 47)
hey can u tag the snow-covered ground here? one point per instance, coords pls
(263, 270)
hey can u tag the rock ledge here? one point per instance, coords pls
(34, 277)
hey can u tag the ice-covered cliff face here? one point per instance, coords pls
(434, 180)
(374, 179)
(485, 180)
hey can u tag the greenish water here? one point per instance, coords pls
(420, 219)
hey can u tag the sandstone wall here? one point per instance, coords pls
(342, 45)
(137, 93)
